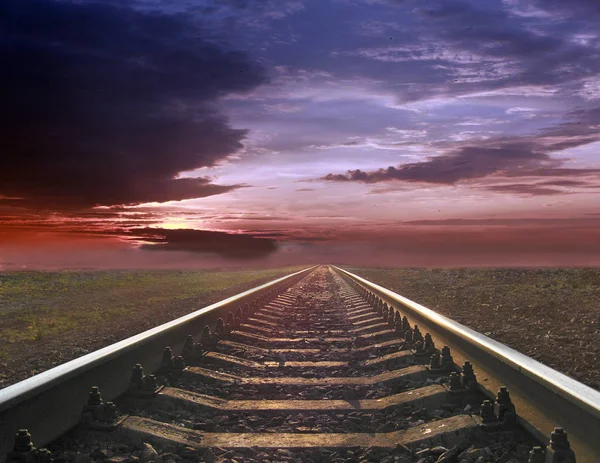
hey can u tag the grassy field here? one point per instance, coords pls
(47, 318)
(550, 314)
(50, 317)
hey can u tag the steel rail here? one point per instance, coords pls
(50, 403)
(544, 397)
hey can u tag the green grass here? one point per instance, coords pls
(38, 305)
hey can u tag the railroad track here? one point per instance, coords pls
(319, 366)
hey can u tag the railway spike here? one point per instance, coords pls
(188, 347)
(151, 383)
(408, 336)
(428, 341)
(487, 412)
(397, 319)
(24, 450)
(504, 409)
(137, 376)
(559, 450)
(179, 363)
(229, 323)
(171, 364)
(43, 456)
(391, 316)
(398, 326)
(385, 315)
(468, 378)
(220, 328)
(23, 443)
(96, 412)
(417, 336)
(166, 363)
(207, 340)
(141, 385)
(434, 361)
(419, 349)
(94, 397)
(537, 455)
(455, 383)
(446, 359)
(405, 323)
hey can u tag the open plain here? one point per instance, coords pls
(550, 314)
(48, 318)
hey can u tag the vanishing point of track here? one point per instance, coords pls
(318, 366)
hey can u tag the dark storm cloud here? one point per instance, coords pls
(525, 189)
(241, 20)
(457, 48)
(103, 104)
(465, 163)
(226, 245)
(518, 156)
(470, 163)
(570, 9)
(494, 35)
(563, 183)
(493, 32)
(552, 172)
(255, 5)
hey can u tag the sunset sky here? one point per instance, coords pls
(267, 132)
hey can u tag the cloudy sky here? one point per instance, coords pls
(267, 132)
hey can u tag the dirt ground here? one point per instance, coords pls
(552, 315)
(47, 319)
